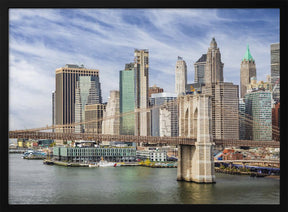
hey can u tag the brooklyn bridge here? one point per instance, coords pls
(195, 142)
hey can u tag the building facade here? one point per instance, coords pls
(224, 96)
(66, 83)
(275, 70)
(94, 118)
(258, 111)
(154, 89)
(127, 100)
(180, 76)
(111, 120)
(141, 67)
(92, 154)
(242, 119)
(164, 120)
(199, 67)
(276, 122)
(225, 117)
(247, 71)
(214, 66)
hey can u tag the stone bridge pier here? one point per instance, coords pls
(195, 162)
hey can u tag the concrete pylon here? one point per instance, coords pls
(195, 163)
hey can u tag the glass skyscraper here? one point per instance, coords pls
(127, 101)
(67, 80)
(87, 92)
(258, 110)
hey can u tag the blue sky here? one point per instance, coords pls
(42, 40)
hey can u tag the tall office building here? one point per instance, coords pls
(225, 119)
(214, 66)
(258, 110)
(224, 95)
(242, 119)
(275, 70)
(66, 82)
(180, 76)
(127, 99)
(141, 67)
(164, 120)
(247, 71)
(199, 67)
(94, 112)
(111, 121)
(53, 109)
(87, 92)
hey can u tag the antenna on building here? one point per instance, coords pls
(180, 58)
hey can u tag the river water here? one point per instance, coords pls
(32, 182)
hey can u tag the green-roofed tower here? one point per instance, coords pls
(248, 56)
(247, 70)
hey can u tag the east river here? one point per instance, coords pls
(32, 182)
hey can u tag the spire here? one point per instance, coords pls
(248, 56)
(213, 44)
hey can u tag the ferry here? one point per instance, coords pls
(31, 154)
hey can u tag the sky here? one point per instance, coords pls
(42, 40)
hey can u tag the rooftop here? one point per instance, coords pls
(248, 56)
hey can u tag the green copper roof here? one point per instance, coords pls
(248, 55)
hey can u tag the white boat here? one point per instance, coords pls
(93, 165)
(104, 163)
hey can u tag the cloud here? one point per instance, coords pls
(42, 40)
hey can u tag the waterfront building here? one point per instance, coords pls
(93, 117)
(152, 155)
(224, 95)
(199, 67)
(164, 120)
(111, 121)
(66, 83)
(247, 71)
(94, 154)
(141, 67)
(258, 111)
(127, 99)
(275, 70)
(154, 89)
(180, 76)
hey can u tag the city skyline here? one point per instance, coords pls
(42, 40)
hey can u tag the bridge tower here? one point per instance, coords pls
(195, 163)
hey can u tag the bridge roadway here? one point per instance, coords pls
(137, 139)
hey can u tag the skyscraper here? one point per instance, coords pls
(66, 82)
(141, 66)
(214, 66)
(111, 125)
(247, 70)
(199, 67)
(164, 120)
(87, 92)
(258, 110)
(127, 99)
(53, 109)
(224, 96)
(180, 76)
(275, 70)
